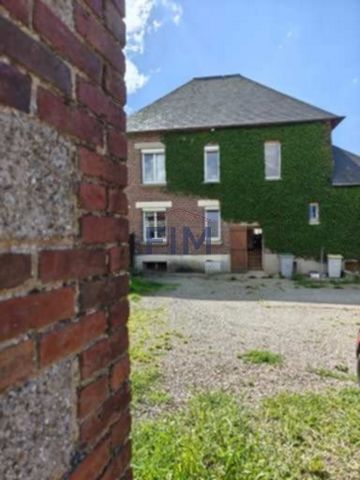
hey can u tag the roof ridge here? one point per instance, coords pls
(218, 77)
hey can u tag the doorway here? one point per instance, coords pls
(246, 244)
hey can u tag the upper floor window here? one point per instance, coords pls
(153, 167)
(213, 224)
(155, 226)
(314, 214)
(272, 160)
(212, 164)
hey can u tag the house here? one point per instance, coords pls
(227, 173)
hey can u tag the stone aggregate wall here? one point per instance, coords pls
(64, 364)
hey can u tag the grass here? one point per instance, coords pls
(290, 436)
(141, 286)
(336, 375)
(261, 356)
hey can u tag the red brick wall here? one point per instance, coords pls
(64, 297)
(184, 211)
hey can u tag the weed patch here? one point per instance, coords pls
(262, 356)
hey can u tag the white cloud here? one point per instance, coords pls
(140, 22)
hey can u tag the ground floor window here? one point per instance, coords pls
(213, 224)
(155, 226)
(314, 214)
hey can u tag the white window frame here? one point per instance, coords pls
(211, 149)
(156, 241)
(213, 209)
(273, 177)
(314, 220)
(154, 151)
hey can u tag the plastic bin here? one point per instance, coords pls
(334, 265)
(287, 265)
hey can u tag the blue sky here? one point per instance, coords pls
(306, 48)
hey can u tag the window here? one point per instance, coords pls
(213, 222)
(153, 167)
(272, 160)
(155, 226)
(314, 214)
(212, 164)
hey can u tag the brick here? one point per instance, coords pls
(120, 5)
(119, 465)
(94, 165)
(72, 338)
(19, 9)
(121, 430)
(115, 84)
(119, 314)
(68, 119)
(17, 364)
(94, 33)
(117, 143)
(115, 22)
(118, 202)
(52, 29)
(119, 343)
(66, 264)
(34, 55)
(119, 259)
(96, 6)
(94, 463)
(100, 104)
(15, 88)
(103, 292)
(15, 269)
(106, 416)
(104, 229)
(92, 396)
(92, 197)
(95, 358)
(120, 372)
(19, 315)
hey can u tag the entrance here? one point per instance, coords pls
(245, 248)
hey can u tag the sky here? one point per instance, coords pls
(309, 49)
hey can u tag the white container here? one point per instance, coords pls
(212, 266)
(287, 265)
(334, 265)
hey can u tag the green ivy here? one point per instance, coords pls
(280, 207)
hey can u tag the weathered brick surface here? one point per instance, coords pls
(34, 56)
(90, 468)
(93, 395)
(68, 119)
(54, 31)
(72, 338)
(16, 364)
(20, 315)
(92, 30)
(103, 229)
(64, 360)
(19, 9)
(95, 165)
(15, 88)
(15, 269)
(103, 292)
(92, 197)
(65, 264)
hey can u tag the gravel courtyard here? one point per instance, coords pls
(219, 318)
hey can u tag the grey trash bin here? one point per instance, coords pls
(287, 265)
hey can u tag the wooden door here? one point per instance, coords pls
(238, 248)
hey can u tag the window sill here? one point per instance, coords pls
(272, 179)
(209, 182)
(153, 184)
(154, 244)
(314, 222)
(215, 242)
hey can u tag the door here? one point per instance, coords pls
(255, 249)
(238, 248)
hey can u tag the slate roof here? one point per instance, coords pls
(346, 170)
(227, 101)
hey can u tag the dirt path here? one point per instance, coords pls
(221, 318)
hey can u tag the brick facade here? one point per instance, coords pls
(184, 212)
(64, 364)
